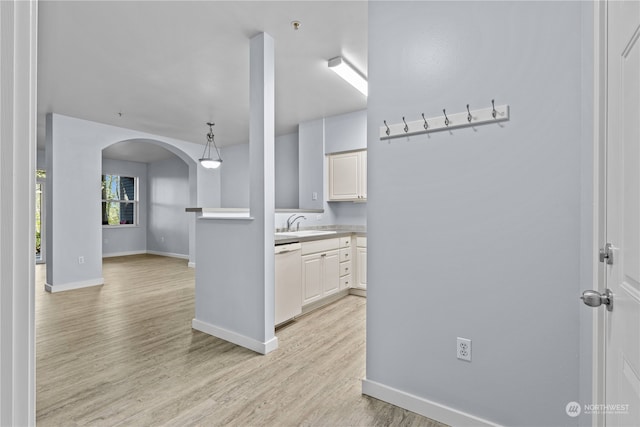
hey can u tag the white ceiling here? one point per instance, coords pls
(137, 151)
(169, 67)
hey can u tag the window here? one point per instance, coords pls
(119, 200)
(41, 175)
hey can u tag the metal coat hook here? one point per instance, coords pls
(448, 120)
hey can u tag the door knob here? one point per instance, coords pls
(596, 299)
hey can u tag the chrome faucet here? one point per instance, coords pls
(291, 221)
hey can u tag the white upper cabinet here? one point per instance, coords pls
(347, 176)
(362, 179)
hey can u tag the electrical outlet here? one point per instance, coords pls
(464, 349)
(314, 196)
(80, 260)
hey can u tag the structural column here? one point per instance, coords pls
(235, 290)
(261, 163)
(18, 57)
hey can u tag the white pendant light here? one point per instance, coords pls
(206, 161)
(345, 70)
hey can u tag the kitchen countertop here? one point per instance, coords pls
(278, 210)
(341, 231)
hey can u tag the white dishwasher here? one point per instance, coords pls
(288, 292)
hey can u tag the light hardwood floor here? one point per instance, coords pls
(125, 354)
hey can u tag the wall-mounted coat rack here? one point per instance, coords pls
(446, 121)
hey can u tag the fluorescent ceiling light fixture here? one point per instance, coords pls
(206, 161)
(345, 70)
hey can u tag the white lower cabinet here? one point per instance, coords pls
(331, 273)
(361, 262)
(333, 265)
(320, 269)
(311, 278)
(346, 267)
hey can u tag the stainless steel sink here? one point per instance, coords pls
(304, 233)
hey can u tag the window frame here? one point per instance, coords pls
(135, 202)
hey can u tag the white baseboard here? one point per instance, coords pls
(115, 254)
(427, 408)
(142, 252)
(234, 337)
(169, 254)
(308, 308)
(73, 285)
(358, 292)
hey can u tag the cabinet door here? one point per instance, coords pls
(311, 278)
(363, 174)
(331, 272)
(361, 265)
(344, 176)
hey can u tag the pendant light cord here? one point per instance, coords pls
(211, 140)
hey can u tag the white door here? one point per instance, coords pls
(622, 275)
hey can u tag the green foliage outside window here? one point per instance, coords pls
(118, 200)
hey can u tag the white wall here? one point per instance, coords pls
(234, 176)
(286, 164)
(480, 232)
(310, 163)
(41, 159)
(300, 170)
(346, 132)
(234, 180)
(129, 239)
(168, 223)
(74, 161)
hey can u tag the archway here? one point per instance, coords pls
(146, 185)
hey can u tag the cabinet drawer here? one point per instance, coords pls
(345, 242)
(345, 268)
(323, 245)
(345, 255)
(346, 282)
(361, 242)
